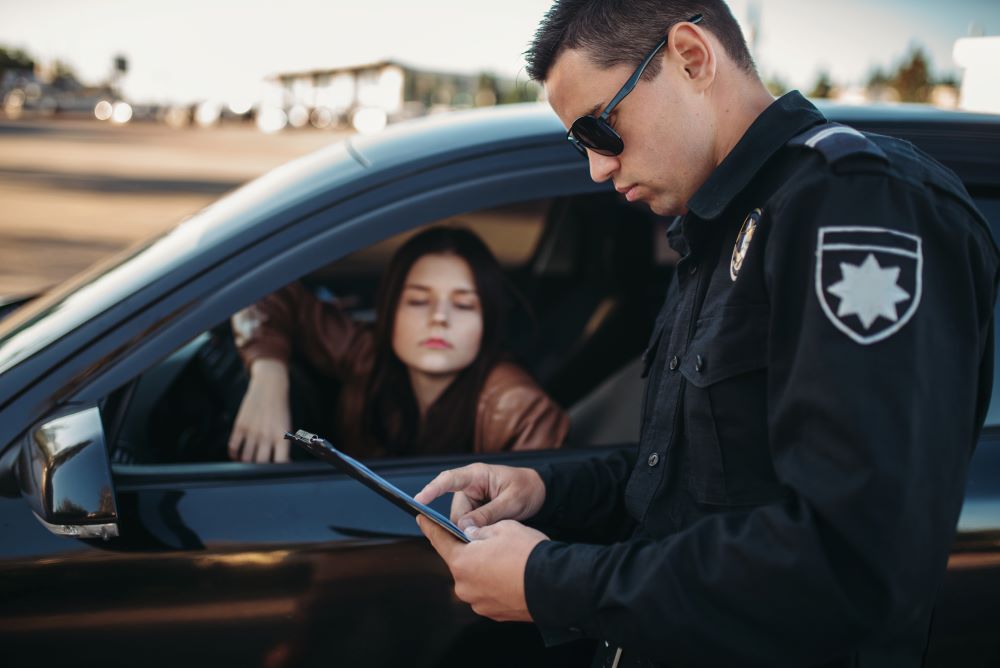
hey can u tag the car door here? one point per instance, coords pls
(963, 632)
(261, 564)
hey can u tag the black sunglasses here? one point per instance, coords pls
(594, 132)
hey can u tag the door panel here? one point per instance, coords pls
(276, 571)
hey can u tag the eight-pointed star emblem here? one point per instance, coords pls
(868, 291)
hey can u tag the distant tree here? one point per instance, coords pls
(879, 86)
(524, 91)
(823, 86)
(950, 79)
(776, 85)
(63, 75)
(912, 80)
(487, 90)
(877, 78)
(14, 59)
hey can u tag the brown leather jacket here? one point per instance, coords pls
(513, 412)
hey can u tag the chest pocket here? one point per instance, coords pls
(725, 410)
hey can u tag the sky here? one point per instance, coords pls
(188, 50)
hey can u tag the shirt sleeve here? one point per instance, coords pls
(585, 500)
(871, 439)
(293, 318)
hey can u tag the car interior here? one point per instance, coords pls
(591, 271)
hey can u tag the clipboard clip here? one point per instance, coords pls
(302, 436)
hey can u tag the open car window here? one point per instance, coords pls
(591, 270)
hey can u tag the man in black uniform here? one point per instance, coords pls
(815, 383)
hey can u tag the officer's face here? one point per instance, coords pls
(665, 124)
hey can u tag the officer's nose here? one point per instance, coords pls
(602, 166)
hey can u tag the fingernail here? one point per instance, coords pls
(466, 522)
(471, 531)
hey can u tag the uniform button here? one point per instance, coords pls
(699, 363)
(653, 460)
(674, 362)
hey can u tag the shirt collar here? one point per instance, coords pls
(787, 117)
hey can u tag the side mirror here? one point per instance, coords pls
(65, 477)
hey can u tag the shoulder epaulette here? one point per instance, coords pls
(836, 142)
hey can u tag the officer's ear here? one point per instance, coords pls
(692, 51)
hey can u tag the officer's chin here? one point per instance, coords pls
(667, 208)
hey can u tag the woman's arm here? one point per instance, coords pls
(514, 413)
(293, 318)
(265, 335)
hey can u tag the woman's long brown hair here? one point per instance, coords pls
(391, 417)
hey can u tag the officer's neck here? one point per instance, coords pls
(737, 99)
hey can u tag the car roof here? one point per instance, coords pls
(404, 148)
(518, 125)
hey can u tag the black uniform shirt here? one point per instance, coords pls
(816, 383)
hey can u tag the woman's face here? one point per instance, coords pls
(439, 321)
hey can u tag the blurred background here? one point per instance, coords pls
(120, 117)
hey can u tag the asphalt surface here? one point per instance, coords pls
(74, 192)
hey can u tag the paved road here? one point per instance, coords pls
(74, 192)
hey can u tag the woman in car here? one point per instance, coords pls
(429, 376)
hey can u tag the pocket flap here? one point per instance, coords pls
(727, 345)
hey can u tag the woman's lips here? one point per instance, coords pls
(436, 344)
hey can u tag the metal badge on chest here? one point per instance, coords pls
(743, 240)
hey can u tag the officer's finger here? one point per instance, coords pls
(488, 513)
(460, 505)
(447, 481)
(484, 532)
(443, 542)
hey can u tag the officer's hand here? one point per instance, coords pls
(486, 494)
(259, 431)
(489, 571)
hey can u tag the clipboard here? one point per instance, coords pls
(322, 448)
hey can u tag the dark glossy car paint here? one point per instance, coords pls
(298, 565)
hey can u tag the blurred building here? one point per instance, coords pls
(980, 58)
(367, 97)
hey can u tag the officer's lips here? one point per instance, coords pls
(631, 192)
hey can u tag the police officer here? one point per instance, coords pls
(815, 383)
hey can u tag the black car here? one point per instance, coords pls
(129, 538)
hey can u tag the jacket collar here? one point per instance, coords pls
(787, 117)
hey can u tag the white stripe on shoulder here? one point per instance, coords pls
(829, 132)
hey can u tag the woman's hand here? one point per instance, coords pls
(486, 494)
(264, 417)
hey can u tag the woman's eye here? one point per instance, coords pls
(465, 307)
(417, 302)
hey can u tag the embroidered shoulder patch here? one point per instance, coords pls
(868, 280)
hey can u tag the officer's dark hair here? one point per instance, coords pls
(617, 32)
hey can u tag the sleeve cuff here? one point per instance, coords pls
(558, 580)
(549, 508)
(256, 351)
